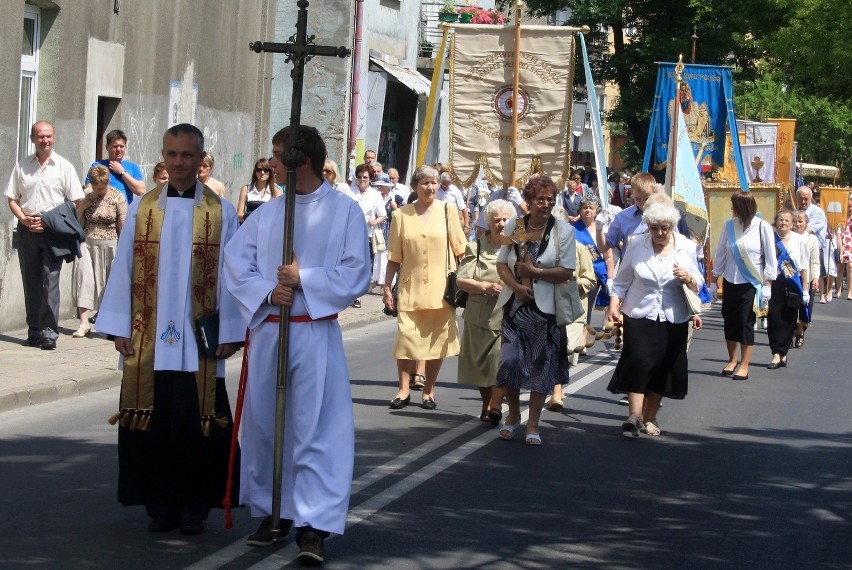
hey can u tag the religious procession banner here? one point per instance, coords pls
(482, 60)
(685, 187)
(784, 157)
(759, 161)
(834, 202)
(758, 133)
(706, 92)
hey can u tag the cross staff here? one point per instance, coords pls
(300, 49)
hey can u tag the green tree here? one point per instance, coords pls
(823, 124)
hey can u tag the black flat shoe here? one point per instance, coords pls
(774, 365)
(48, 344)
(739, 377)
(483, 415)
(399, 403)
(32, 341)
(783, 363)
(495, 416)
(726, 372)
(428, 405)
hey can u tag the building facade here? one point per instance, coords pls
(91, 66)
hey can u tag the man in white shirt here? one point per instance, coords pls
(818, 224)
(398, 188)
(449, 192)
(39, 183)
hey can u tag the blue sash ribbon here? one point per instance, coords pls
(788, 270)
(585, 238)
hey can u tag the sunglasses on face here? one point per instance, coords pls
(663, 229)
(327, 171)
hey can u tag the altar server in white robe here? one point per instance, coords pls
(331, 269)
(174, 419)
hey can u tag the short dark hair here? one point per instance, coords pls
(363, 167)
(115, 134)
(538, 185)
(186, 129)
(309, 141)
(744, 206)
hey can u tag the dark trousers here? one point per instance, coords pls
(40, 276)
(781, 320)
(174, 469)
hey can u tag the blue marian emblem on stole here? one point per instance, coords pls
(171, 336)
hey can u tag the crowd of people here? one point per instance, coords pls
(531, 265)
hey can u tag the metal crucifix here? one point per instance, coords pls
(300, 49)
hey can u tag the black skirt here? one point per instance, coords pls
(174, 464)
(738, 312)
(781, 320)
(653, 359)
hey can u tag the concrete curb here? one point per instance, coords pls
(33, 391)
(47, 392)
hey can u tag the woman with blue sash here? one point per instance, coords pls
(745, 258)
(602, 263)
(788, 296)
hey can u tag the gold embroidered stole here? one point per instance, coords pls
(137, 386)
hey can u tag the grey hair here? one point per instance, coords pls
(801, 213)
(445, 178)
(498, 207)
(589, 199)
(804, 190)
(423, 172)
(660, 210)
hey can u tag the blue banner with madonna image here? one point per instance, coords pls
(705, 91)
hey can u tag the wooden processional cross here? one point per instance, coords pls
(300, 49)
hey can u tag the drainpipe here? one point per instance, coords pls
(356, 82)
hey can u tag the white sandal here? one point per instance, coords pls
(81, 332)
(533, 439)
(507, 431)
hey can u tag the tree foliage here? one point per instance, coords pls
(823, 124)
(786, 39)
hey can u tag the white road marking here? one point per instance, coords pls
(603, 364)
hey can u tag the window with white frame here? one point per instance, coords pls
(29, 72)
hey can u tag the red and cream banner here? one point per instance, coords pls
(482, 62)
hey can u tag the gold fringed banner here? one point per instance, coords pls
(481, 68)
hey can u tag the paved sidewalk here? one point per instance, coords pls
(30, 376)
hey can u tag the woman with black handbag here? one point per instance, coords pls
(788, 296)
(480, 343)
(421, 235)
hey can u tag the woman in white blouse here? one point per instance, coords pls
(648, 299)
(788, 295)
(260, 191)
(744, 275)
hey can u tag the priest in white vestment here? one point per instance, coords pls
(174, 419)
(331, 269)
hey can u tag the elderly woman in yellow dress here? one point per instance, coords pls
(480, 344)
(647, 297)
(426, 239)
(540, 253)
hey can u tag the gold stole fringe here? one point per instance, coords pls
(137, 385)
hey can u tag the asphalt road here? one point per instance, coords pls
(754, 474)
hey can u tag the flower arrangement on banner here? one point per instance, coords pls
(482, 15)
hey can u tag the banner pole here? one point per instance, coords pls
(673, 136)
(516, 80)
(432, 103)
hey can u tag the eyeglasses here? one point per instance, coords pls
(544, 200)
(363, 177)
(263, 170)
(663, 229)
(327, 171)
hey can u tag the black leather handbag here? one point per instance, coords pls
(452, 294)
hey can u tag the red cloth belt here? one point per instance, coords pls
(298, 318)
